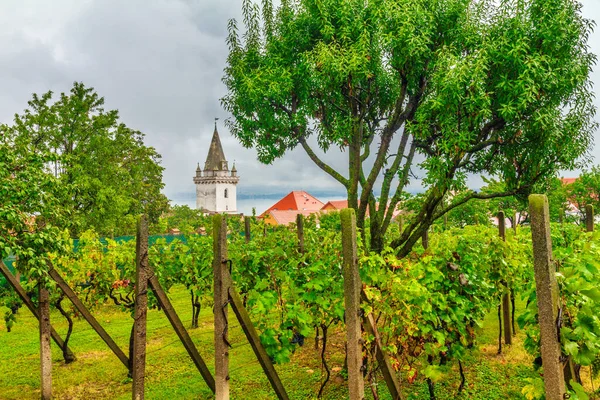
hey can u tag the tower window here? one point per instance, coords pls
(226, 193)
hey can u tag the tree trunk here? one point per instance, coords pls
(499, 329)
(324, 361)
(67, 355)
(376, 237)
(430, 384)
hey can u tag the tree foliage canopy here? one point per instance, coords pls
(453, 87)
(94, 170)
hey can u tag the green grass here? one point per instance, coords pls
(170, 373)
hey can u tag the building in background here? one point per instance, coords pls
(335, 205)
(285, 210)
(215, 184)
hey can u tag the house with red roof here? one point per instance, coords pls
(297, 202)
(572, 208)
(285, 210)
(335, 205)
(284, 217)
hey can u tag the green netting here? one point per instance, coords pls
(151, 239)
(9, 263)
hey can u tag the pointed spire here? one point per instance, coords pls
(215, 160)
(198, 168)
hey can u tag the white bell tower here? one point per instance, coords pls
(216, 185)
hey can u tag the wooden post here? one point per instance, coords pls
(141, 309)
(352, 288)
(300, 226)
(247, 229)
(506, 296)
(242, 315)
(12, 280)
(87, 315)
(221, 295)
(167, 307)
(425, 239)
(389, 374)
(45, 350)
(589, 218)
(547, 296)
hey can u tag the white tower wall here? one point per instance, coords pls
(215, 184)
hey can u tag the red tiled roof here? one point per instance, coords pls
(335, 205)
(296, 200)
(566, 181)
(285, 217)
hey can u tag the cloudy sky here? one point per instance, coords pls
(160, 63)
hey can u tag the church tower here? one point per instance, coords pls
(216, 185)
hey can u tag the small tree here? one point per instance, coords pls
(454, 87)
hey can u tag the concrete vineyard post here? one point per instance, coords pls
(45, 350)
(141, 309)
(561, 216)
(300, 227)
(589, 218)
(506, 296)
(352, 288)
(425, 239)
(547, 296)
(502, 225)
(221, 297)
(247, 229)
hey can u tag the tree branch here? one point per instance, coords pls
(475, 195)
(321, 164)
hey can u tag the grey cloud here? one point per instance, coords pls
(160, 63)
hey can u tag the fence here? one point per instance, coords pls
(226, 296)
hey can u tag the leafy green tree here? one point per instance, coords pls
(30, 216)
(585, 190)
(558, 198)
(103, 170)
(486, 87)
(186, 219)
(511, 205)
(470, 213)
